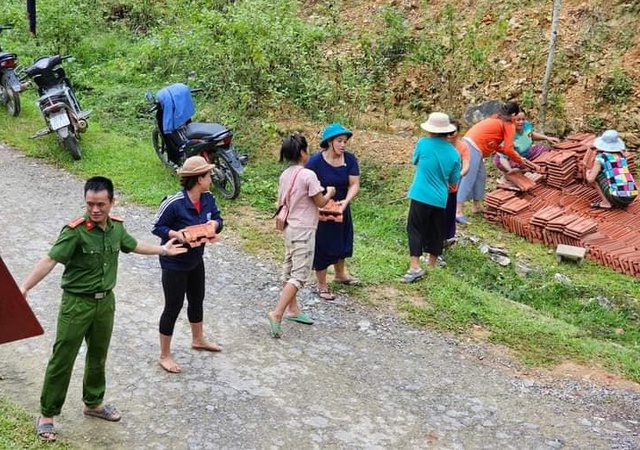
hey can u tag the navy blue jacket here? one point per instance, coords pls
(177, 212)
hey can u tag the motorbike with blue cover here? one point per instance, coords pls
(58, 103)
(10, 85)
(176, 137)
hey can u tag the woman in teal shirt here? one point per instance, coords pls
(523, 143)
(437, 166)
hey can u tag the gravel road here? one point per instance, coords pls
(358, 378)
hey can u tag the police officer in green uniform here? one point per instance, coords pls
(88, 247)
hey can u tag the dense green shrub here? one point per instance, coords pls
(617, 87)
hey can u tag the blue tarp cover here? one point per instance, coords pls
(177, 106)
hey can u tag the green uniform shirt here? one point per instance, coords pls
(90, 255)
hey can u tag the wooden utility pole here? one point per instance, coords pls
(547, 72)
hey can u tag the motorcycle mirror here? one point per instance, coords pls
(149, 96)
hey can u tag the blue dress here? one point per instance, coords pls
(334, 240)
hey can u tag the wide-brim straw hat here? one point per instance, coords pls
(196, 165)
(333, 130)
(438, 123)
(609, 142)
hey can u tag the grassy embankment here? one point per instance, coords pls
(16, 430)
(254, 62)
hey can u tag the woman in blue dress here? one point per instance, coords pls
(335, 166)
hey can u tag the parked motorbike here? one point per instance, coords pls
(10, 85)
(176, 137)
(57, 103)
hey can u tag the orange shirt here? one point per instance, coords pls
(463, 149)
(489, 133)
(465, 155)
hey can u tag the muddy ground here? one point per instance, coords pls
(358, 378)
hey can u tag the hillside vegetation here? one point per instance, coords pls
(364, 62)
(269, 67)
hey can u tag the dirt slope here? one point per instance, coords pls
(595, 79)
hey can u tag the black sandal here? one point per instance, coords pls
(45, 428)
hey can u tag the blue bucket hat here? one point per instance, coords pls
(609, 142)
(333, 130)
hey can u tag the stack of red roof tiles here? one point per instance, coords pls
(553, 207)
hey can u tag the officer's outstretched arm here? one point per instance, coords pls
(39, 271)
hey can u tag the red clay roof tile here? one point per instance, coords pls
(556, 210)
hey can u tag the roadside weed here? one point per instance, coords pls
(17, 430)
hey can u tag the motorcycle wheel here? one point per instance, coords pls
(71, 143)
(224, 178)
(11, 98)
(161, 150)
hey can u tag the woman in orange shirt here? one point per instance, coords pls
(494, 134)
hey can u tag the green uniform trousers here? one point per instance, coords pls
(80, 317)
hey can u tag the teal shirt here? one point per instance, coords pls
(437, 166)
(523, 141)
(90, 255)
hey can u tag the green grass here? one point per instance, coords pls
(544, 320)
(593, 319)
(17, 429)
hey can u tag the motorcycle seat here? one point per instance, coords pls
(44, 63)
(201, 130)
(7, 55)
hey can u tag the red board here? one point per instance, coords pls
(17, 320)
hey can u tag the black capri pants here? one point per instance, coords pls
(176, 284)
(425, 227)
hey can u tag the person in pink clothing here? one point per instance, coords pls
(304, 195)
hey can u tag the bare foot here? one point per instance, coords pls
(169, 364)
(205, 345)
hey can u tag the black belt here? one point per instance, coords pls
(94, 295)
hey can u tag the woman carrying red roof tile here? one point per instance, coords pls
(610, 173)
(495, 134)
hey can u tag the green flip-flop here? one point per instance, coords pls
(301, 318)
(276, 330)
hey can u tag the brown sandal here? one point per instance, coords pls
(326, 294)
